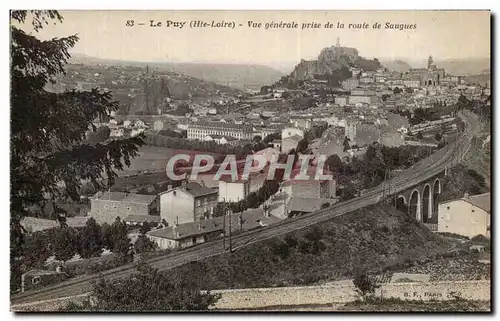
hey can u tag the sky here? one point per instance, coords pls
(104, 34)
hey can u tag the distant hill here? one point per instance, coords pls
(235, 75)
(460, 67)
(396, 65)
(482, 79)
(128, 85)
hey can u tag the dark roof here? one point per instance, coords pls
(250, 219)
(194, 189)
(221, 125)
(143, 218)
(483, 201)
(125, 197)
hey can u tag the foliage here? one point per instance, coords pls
(346, 144)
(64, 245)
(302, 145)
(144, 244)
(364, 285)
(118, 238)
(253, 200)
(269, 138)
(397, 90)
(170, 133)
(90, 240)
(100, 135)
(420, 135)
(48, 147)
(327, 251)
(463, 180)
(334, 163)
(240, 151)
(147, 290)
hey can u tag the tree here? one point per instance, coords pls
(302, 145)
(397, 90)
(257, 139)
(119, 237)
(346, 144)
(47, 140)
(438, 136)
(334, 163)
(364, 285)
(164, 292)
(144, 244)
(409, 90)
(420, 135)
(64, 246)
(100, 135)
(90, 240)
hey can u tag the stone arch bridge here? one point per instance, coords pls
(421, 200)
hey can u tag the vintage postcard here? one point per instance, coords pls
(250, 161)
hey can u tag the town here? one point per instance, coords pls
(220, 168)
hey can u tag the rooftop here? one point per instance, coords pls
(143, 218)
(194, 189)
(124, 197)
(483, 201)
(250, 219)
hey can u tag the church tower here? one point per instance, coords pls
(429, 62)
(338, 42)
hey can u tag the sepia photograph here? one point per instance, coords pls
(250, 160)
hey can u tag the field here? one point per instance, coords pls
(151, 159)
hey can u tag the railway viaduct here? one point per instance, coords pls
(421, 200)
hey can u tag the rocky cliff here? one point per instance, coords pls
(332, 61)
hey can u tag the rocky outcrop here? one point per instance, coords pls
(332, 60)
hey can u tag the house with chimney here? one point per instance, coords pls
(187, 203)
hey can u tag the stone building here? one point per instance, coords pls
(188, 203)
(106, 207)
(203, 128)
(430, 76)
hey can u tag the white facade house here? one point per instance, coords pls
(291, 131)
(233, 191)
(468, 216)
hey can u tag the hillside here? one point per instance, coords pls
(374, 238)
(127, 84)
(461, 67)
(483, 79)
(396, 65)
(235, 75)
(332, 64)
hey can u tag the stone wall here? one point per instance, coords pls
(335, 292)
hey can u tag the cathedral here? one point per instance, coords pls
(430, 76)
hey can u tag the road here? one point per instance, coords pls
(422, 171)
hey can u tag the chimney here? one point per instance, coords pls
(466, 195)
(183, 183)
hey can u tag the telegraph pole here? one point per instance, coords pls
(230, 241)
(224, 225)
